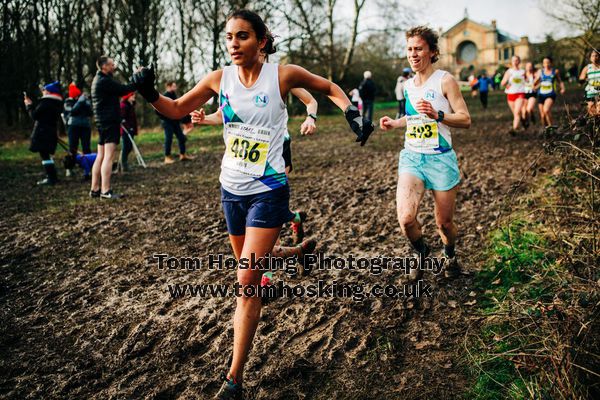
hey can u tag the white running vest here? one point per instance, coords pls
(423, 134)
(254, 124)
(516, 81)
(529, 81)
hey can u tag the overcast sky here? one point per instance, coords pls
(518, 17)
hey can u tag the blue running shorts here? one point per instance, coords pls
(438, 171)
(268, 209)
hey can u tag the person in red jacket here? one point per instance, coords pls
(129, 122)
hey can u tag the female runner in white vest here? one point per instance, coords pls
(434, 104)
(514, 81)
(254, 189)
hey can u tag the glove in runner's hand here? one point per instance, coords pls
(362, 127)
(144, 83)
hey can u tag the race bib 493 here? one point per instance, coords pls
(422, 132)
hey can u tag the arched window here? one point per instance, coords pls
(467, 52)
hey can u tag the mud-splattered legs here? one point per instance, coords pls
(444, 214)
(257, 241)
(408, 197)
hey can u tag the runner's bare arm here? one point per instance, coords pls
(293, 76)
(583, 75)
(560, 81)
(537, 80)
(386, 123)
(200, 94)
(504, 79)
(307, 99)
(460, 118)
(308, 127)
(200, 118)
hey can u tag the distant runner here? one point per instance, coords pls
(590, 75)
(514, 81)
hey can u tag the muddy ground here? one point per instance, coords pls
(84, 314)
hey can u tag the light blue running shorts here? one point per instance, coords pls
(437, 171)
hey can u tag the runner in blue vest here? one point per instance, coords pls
(254, 186)
(548, 77)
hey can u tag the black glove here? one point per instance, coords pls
(362, 127)
(144, 84)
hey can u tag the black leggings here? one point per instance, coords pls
(483, 96)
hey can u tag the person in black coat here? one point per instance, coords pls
(173, 127)
(107, 110)
(44, 137)
(367, 94)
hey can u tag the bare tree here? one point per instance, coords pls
(583, 19)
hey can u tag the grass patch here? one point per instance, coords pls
(537, 336)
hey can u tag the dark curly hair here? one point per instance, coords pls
(428, 35)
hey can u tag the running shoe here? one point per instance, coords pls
(452, 269)
(230, 390)
(298, 229)
(416, 274)
(169, 160)
(307, 247)
(94, 194)
(110, 195)
(512, 132)
(185, 157)
(270, 292)
(46, 182)
(525, 122)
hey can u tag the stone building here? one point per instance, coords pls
(484, 47)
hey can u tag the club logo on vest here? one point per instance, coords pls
(429, 95)
(261, 100)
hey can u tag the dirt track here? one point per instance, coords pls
(84, 315)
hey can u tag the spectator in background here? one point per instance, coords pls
(77, 113)
(474, 84)
(354, 97)
(400, 92)
(173, 127)
(105, 97)
(497, 80)
(573, 73)
(44, 137)
(129, 122)
(484, 86)
(367, 94)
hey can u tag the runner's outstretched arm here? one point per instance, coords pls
(293, 76)
(144, 80)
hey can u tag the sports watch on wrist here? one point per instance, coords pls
(440, 117)
(313, 116)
